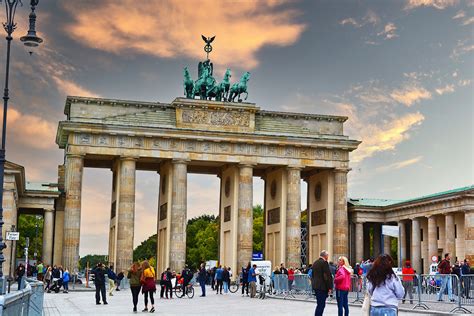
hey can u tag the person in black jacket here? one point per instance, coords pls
(202, 275)
(99, 281)
(245, 279)
(321, 281)
(20, 272)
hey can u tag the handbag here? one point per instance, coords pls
(366, 304)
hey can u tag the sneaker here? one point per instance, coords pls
(97, 303)
(105, 303)
(117, 289)
(152, 310)
(145, 309)
(134, 309)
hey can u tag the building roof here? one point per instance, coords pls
(386, 202)
(42, 186)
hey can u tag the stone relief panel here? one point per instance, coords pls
(221, 118)
(211, 147)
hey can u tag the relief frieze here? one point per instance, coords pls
(220, 118)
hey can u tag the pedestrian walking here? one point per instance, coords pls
(384, 287)
(99, 281)
(149, 286)
(202, 276)
(112, 277)
(66, 278)
(466, 278)
(40, 271)
(444, 268)
(168, 285)
(47, 279)
(213, 278)
(20, 272)
(407, 281)
(321, 281)
(134, 274)
(225, 279)
(219, 283)
(342, 283)
(245, 279)
(120, 277)
(253, 280)
(291, 277)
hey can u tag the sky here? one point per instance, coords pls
(402, 71)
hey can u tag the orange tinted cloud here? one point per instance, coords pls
(172, 28)
(32, 131)
(409, 94)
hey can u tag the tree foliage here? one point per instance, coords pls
(202, 238)
(146, 250)
(257, 228)
(30, 226)
(93, 261)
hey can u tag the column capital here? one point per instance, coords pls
(247, 164)
(182, 161)
(128, 158)
(342, 170)
(71, 155)
(48, 210)
(294, 167)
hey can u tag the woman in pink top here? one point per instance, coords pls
(342, 283)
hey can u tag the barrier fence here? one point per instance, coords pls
(420, 289)
(25, 302)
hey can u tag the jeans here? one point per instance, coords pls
(446, 281)
(135, 292)
(20, 283)
(342, 302)
(66, 286)
(203, 287)
(321, 297)
(245, 286)
(226, 286)
(219, 286)
(383, 311)
(408, 285)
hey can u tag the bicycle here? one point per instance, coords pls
(178, 290)
(234, 286)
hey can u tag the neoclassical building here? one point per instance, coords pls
(429, 226)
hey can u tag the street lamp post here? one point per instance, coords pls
(31, 41)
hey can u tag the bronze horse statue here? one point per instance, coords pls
(238, 88)
(188, 84)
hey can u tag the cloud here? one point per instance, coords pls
(30, 130)
(69, 87)
(462, 47)
(437, 4)
(461, 14)
(447, 89)
(388, 31)
(409, 94)
(172, 28)
(369, 18)
(400, 164)
(350, 21)
(468, 21)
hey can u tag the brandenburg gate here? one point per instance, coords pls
(235, 141)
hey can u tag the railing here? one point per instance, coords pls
(25, 302)
(420, 289)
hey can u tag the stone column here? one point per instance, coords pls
(386, 244)
(402, 243)
(245, 216)
(72, 211)
(293, 218)
(432, 238)
(359, 241)
(48, 228)
(415, 246)
(125, 214)
(450, 246)
(341, 229)
(469, 234)
(178, 215)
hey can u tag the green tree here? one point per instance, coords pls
(146, 250)
(93, 261)
(30, 226)
(257, 228)
(202, 235)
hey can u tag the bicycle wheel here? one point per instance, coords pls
(190, 292)
(178, 291)
(234, 287)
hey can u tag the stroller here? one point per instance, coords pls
(262, 286)
(56, 285)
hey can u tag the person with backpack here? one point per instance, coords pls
(134, 275)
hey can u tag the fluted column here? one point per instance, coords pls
(469, 235)
(48, 228)
(359, 241)
(178, 215)
(450, 246)
(415, 246)
(245, 216)
(72, 212)
(293, 218)
(125, 214)
(402, 243)
(432, 237)
(341, 229)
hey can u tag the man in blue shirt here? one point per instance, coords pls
(253, 281)
(219, 273)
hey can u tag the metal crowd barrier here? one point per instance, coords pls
(280, 284)
(302, 285)
(356, 293)
(25, 302)
(467, 290)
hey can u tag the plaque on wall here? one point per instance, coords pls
(227, 213)
(163, 211)
(273, 216)
(273, 189)
(318, 191)
(227, 187)
(318, 217)
(163, 184)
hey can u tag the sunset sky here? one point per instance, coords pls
(402, 71)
